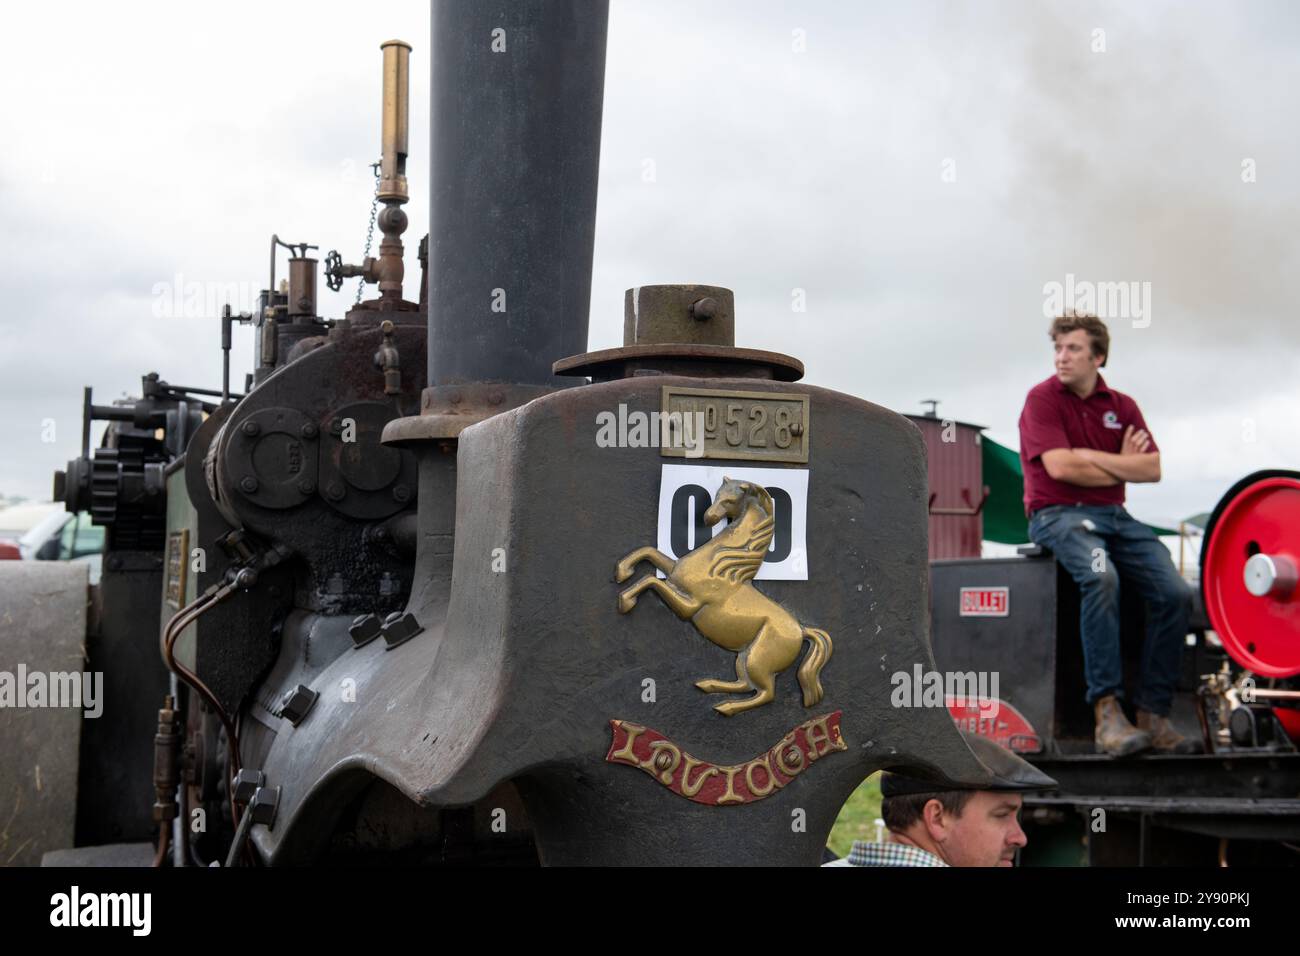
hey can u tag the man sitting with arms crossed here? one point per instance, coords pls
(1080, 440)
(934, 825)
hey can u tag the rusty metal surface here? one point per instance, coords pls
(670, 358)
(698, 314)
(519, 672)
(447, 410)
(331, 496)
(680, 330)
(233, 644)
(732, 424)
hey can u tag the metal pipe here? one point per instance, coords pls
(396, 121)
(391, 191)
(270, 283)
(113, 413)
(87, 412)
(241, 838)
(180, 825)
(302, 286)
(164, 839)
(200, 391)
(515, 112)
(182, 619)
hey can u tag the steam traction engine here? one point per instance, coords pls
(1236, 804)
(416, 609)
(517, 704)
(416, 604)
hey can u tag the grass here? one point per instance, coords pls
(857, 819)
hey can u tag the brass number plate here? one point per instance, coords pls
(753, 426)
(178, 549)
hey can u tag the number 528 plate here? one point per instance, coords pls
(752, 426)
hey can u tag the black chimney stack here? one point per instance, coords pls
(515, 148)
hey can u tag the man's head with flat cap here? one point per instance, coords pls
(963, 827)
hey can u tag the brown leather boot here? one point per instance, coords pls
(1163, 736)
(1115, 735)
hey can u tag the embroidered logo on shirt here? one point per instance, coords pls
(1111, 420)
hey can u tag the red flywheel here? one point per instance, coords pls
(1249, 565)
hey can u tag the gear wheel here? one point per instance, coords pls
(120, 502)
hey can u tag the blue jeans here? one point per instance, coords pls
(1097, 544)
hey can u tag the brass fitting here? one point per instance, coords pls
(396, 111)
(166, 765)
(392, 170)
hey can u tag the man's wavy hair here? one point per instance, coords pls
(1098, 334)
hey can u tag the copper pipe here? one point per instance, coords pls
(179, 621)
(164, 838)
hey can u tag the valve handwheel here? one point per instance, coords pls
(1249, 563)
(334, 270)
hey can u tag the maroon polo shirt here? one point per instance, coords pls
(1055, 417)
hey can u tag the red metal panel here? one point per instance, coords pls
(956, 471)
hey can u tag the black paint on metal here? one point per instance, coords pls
(115, 788)
(515, 129)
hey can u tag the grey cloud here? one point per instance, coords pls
(775, 170)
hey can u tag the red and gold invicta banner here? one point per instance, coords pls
(718, 786)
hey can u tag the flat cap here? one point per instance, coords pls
(1008, 771)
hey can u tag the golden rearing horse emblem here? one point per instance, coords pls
(711, 587)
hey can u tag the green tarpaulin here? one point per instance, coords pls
(1004, 511)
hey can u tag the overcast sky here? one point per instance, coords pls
(920, 171)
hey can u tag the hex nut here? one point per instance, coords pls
(265, 802)
(400, 627)
(296, 704)
(365, 629)
(247, 782)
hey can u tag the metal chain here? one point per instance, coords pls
(370, 230)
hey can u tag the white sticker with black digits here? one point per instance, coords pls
(686, 492)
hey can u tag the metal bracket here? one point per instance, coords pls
(970, 509)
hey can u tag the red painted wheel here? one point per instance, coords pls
(1249, 564)
(1290, 720)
